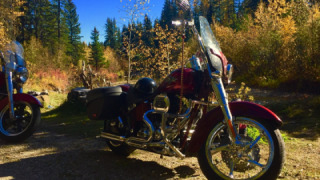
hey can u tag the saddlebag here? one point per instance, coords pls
(105, 103)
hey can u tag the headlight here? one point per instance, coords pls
(22, 74)
(195, 63)
(229, 73)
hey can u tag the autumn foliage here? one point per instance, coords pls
(273, 44)
(278, 47)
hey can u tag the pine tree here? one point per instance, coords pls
(110, 33)
(96, 57)
(60, 21)
(147, 34)
(74, 48)
(168, 14)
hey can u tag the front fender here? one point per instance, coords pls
(238, 108)
(21, 97)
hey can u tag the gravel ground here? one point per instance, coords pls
(48, 155)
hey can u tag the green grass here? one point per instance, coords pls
(70, 118)
(301, 116)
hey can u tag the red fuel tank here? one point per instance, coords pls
(172, 83)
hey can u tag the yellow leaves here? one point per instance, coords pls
(111, 56)
(8, 15)
(287, 29)
(275, 18)
(2, 35)
(278, 7)
(315, 13)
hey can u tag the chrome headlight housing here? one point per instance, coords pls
(161, 103)
(22, 74)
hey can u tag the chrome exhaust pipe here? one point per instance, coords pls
(112, 137)
(133, 141)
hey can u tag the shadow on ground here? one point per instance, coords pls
(96, 164)
(65, 147)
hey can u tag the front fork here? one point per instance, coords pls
(222, 99)
(10, 94)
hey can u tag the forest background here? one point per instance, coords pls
(272, 43)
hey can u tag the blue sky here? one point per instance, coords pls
(94, 13)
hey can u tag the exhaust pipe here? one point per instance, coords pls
(134, 141)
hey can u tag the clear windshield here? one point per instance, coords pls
(13, 47)
(211, 44)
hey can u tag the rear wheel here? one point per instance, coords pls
(118, 127)
(27, 119)
(257, 154)
(120, 148)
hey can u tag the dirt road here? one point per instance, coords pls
(48, 155)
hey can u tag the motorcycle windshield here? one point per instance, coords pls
(16, 48)
(211, 44)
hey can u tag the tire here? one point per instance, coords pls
(121, 149)
(219, 142)
(28, 118)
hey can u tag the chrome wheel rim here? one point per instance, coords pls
(248, 158)
(23, 118)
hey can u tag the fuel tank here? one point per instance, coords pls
(191, 82)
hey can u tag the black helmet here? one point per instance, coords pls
(146, 86)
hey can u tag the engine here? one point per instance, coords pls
(164, 122)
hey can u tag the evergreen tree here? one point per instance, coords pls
(74, 48)
(110, 33)
(169, 13)
(96, 57)
(147, 34)
(118, 38)
(156, 21)
(44, 23)
(250, 6)
(60, 24)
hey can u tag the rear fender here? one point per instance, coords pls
(21, 97)
(238, 108)
(125, 87)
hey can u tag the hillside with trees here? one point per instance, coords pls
(272, 43)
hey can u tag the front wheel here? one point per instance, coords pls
(27, 118)
(258, 152)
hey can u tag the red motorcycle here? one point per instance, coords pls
(19, 113)
(232, 140)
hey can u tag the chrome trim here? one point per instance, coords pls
(112, 137)
(10, 93)
(171, 146)
(195, 63)
(229, 73)
(222, 99)
(204, 103)
(209, 150)
(133, 141)
(121, 122)
(157, 103)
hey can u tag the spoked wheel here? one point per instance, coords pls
(27, 118)
(257, 154)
